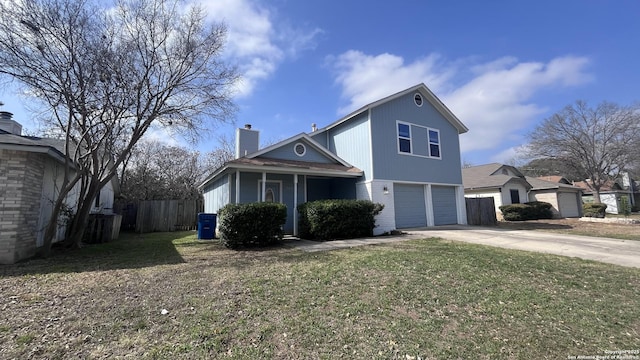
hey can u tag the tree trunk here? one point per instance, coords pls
(596, 196)
(77, 227)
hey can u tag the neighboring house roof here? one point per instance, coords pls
(428, 95)
(555, 179)
(608, 186)
(538, 184)
(51, 147)
(490, 176)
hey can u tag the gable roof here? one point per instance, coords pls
(302, 136)
(487, 176)
(428, 95)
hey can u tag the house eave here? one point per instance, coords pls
(279, 170)
(36, 149)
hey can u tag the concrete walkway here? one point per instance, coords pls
(613, 251)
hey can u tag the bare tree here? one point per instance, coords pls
(108, 75)
(158, 171)
(218, 157)
(597, 143)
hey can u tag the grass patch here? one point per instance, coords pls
(427, 298)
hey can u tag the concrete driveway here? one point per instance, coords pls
(613, 251)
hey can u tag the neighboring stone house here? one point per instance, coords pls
(31, 171)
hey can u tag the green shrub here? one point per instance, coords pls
(533, 210)
(625, 206)
(337, 219)
(255, 224)
(594, 210)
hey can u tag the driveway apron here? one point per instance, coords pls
(613, 251)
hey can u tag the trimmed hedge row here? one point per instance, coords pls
(533, 210)
(337, 219)
(254, 224)
(594, 210)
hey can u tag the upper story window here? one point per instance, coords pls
(434, 143)
(418, 140)
(404, 138)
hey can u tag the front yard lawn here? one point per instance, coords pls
(428, 298)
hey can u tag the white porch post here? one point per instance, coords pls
(295, 204)
(429, 205)
(461, 205)
(264, 187)
(237, 187)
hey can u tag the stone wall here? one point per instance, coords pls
(21, 176)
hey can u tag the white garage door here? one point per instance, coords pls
(444, 205)
(409, 204)
(568, 205)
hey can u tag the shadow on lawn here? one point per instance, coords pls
(130, 251)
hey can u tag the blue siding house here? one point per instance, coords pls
(402, 151)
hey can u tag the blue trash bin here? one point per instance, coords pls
(206, 226)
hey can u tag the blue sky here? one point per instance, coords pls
(500, 66)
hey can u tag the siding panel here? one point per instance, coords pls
(352, 143)
(389, 164)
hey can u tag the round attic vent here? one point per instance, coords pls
(417, 98)
(300, 149)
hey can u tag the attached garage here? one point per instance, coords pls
(568, 204)
(409, 205)
(444, 205)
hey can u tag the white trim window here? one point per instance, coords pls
(434, 143)
(426, 141)
(404, 137)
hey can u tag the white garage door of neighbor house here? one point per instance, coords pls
(568, 205)
(410, 207)
(444, 205)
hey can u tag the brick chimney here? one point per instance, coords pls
(247, 141)
(8, 124)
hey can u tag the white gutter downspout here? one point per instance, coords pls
(295, 204)
(237, 187)
(264, 187)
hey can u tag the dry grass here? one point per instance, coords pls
(577, 227)
(428, 298)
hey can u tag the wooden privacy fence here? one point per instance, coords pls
(167, 215)
(160, 215)
(481, 211)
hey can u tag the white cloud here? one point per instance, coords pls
(254, 41)
(366, 78)
(495, 103)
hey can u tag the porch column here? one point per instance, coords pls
(264, 187)
(237, 186)
(295, 204)
(429, 205)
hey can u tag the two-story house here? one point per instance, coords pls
(402, 151)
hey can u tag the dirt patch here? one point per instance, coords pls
(577, 227)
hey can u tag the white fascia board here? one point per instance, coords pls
(281, 170)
